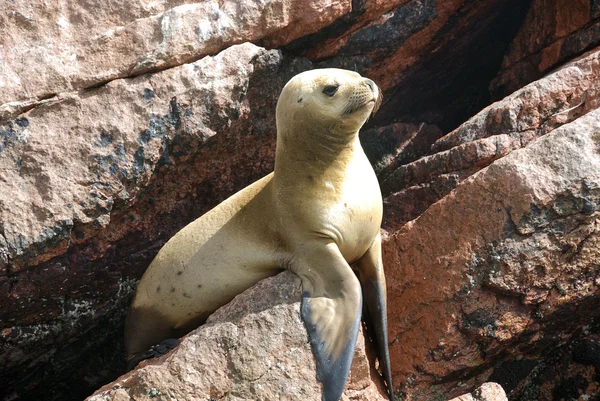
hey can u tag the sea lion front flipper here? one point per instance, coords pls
(154, 351)
(372, 280)
(331, 308)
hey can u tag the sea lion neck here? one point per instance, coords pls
(314, 151)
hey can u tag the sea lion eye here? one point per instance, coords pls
(330, 90)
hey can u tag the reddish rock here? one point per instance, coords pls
(98, 179)
(487, 392)
(49, 49)
(80, 223)
(254, 348)
(503, 266)
(500, 128)
(553, 32)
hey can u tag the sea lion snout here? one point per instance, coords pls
(364, 93)
(377, 96)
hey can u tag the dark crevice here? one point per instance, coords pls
(343, 24)
(451, 85)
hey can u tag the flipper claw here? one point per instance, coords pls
(156, 350)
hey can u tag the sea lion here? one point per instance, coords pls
(320, 210)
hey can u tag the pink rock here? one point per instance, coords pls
(499, 129)
(493, 266)
(52, 49)
(254, 348)
(487, 392)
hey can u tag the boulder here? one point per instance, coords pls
(94, 182)
(503, 267)
(255, 348)
(82, 45)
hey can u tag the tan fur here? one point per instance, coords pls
(320, 210)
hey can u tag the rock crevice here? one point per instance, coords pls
(121, 123)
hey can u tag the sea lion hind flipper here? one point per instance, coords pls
(331, 309)
(372, 280)
(156, 350)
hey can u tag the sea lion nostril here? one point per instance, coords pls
(370, 84)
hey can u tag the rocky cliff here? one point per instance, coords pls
(122, 122)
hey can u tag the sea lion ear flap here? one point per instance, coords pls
(331, 308)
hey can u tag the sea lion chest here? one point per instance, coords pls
(344, 205)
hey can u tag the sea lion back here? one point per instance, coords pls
(203, 267)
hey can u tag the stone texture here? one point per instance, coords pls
(500, 128)
(570, 373)
(553, 32)
(80, 222)
(255, 348)
(101, 174)
(111, 158)
(487, 392)
(399, 43)
(503, 266)
(48, 49)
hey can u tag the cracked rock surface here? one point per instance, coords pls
(255, 348)
(78, 45)
(506, 264)
(121, 122)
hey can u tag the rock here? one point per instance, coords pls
(255, 348)
(111, 158)
(80, 223)
(553, 32)
(121, 123)
(54, 49)
(499, 129)
(398, 43)
(487, 392)
(501, 268)
(571, 372)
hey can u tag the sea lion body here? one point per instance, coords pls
(198, 270)
(320, 210)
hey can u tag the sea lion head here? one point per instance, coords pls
(330, 99)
